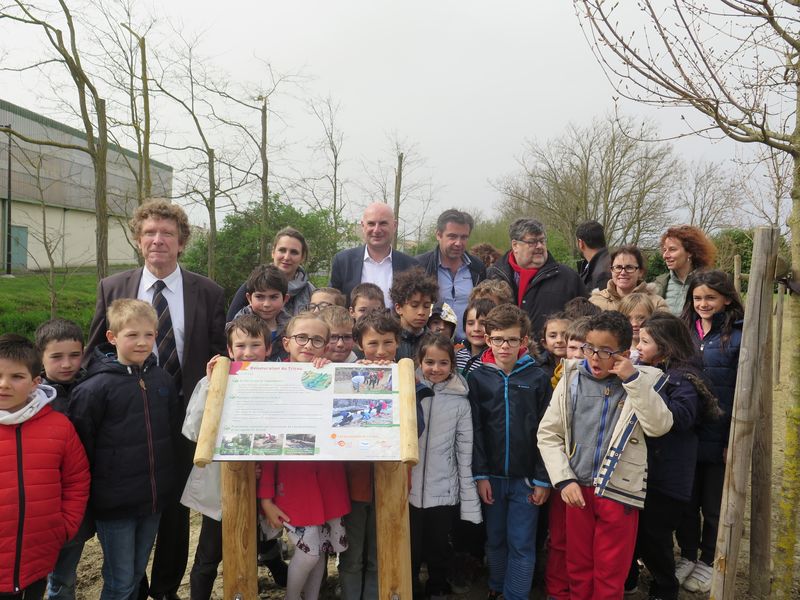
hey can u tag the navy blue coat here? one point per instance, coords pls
(720, 364)
(348, 264)
(671, 458)
(127, 418)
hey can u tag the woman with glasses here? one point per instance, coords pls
(627, 276)
(289, 252)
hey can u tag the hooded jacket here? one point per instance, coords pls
(623, 472)
(126, 417)
(443, 476)
(550, 289)
(44, 485)
(720, 364)
(63, 390)
(506, 410)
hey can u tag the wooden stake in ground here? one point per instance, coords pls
(391, 499)
(758, 312)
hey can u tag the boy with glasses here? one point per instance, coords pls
(509, 394)
(592, 441)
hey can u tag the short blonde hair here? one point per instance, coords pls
(336, 316)
(157, 208)
(124, 310)
(306, 316)
(631, 301)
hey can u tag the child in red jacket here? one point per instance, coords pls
(44, 475)
(308, 498)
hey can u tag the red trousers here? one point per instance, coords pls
(555, 575)
(601, 538)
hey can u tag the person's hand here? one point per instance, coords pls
(485, 491)
(539, 495)
(623, 367)
(320, 362)
(210, 365)
(572, 496)
(275, 516)
(380, 363)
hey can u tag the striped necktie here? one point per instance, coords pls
(167, 350)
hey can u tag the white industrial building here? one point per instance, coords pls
(52, 191)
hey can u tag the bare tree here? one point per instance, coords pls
(92, 106)
(711, 196)
(736, 63)
(399, 178)
(767, 183)
(606, 172)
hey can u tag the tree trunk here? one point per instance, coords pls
(212, 216)
(100, 200)
(398, 186)
(263, 249)
(148, 182)
(790, 490)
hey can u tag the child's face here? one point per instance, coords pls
(436, 365)
(707, 302)
(648, 349)
(437, 325)
(307, 341)
(340, 345)
(414, 313)
(575, 348)
(134, 342)
(267, 303)
(16, 384)
(321, 300)
(378, 346)
(505, 345)
(243, 346)
(555, 339)
(638, 316)
(363, 305)
(603, 341)
(62, 360)
(474, 330)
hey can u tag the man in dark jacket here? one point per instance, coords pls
(456, 269)
(595, 268)
(541, 285)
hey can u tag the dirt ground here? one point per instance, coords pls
(90, 582)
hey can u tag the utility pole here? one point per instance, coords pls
(8, 206)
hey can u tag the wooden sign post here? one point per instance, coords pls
(240, 572)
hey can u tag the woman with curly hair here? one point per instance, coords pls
(685, 248)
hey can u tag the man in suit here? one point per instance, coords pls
(374, 262)
(457, 270)
(195, 309)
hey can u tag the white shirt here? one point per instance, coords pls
(379, 273)
(174, 295)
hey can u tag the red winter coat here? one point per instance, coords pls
(311, 493)
(41, 503)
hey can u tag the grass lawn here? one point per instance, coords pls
(24, 301)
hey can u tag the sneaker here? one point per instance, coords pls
(683, 568)
(700, 578)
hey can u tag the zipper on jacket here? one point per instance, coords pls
(598, 448)
(428, 422)
(150, 452)
(21, 523)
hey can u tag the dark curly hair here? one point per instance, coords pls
(413, 281)
(695, 242)
(615, 323)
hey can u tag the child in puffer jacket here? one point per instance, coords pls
(443, 477)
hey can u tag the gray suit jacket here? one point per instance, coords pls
(204, 319)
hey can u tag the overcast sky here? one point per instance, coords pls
(467, 81)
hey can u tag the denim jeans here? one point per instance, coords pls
(358, 583)
(126, 547)
(61, 582)
(511, 538)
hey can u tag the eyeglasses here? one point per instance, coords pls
(316, 306)
(602, 354)
(626, 268)
(499, 341)
(302, 339)
(533, 243)
(341, 338)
